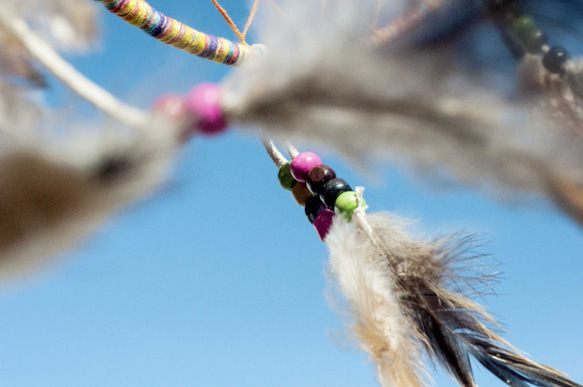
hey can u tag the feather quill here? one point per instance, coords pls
(408, 297)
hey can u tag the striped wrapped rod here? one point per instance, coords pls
(140, 14)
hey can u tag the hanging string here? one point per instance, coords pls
(277, 8)
(290, 149)
(250, 19)
(407, 21)
(140, 14)
(276, 156)
(229, 21)
(61, 69)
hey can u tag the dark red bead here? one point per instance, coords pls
(555, 59)
(318, 176)
(331, 190)
(314, 207)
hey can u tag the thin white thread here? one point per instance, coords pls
(290, 149)
(276, 156)
(76, 81)
(359, 216)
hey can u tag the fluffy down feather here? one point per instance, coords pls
(409, 297)
(56, 192)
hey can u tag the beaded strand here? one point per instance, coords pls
(315, 187)
(522, 36)
(140, 14)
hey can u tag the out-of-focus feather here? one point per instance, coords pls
(17, 112)
(407, 296)
(55, 192)
(15, 61)
(67, 24)
(419, 104)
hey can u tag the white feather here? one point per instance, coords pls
(366, 281)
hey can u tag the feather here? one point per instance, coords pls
(408, 297)
(370, 289)
(66, 24)
(59, 186)
(56, 192)
(430, 106)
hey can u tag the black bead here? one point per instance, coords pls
(318, 176)
(314, 207)
(535, 42)
(555, 59)
(331, 190)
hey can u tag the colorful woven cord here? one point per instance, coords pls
(170, 31)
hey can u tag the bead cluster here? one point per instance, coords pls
(199, 112)
(316, 188)
(523, 36)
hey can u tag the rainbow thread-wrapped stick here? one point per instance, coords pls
(178, 35)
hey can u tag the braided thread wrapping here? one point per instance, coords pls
(140, 14)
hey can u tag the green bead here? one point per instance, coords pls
(346, 203)
(285, 178)
(524, 27)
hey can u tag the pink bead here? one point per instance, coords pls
(302, 164)
(203, 103)
(323, 222)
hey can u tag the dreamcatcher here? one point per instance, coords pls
(406, 297)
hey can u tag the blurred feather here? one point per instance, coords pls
(407, 296)
(55, 192)
(67, 24)
(15, 61)
(422, 104)
(58, 189)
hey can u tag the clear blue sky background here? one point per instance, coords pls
(218, 280)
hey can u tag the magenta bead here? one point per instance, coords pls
(302, 164)
(323, 222)
(203, 103)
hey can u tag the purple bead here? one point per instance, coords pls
(203, 103)
(302, 164)
(323, 222)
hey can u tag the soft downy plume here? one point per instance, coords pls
(64, 25)
(417, 99)
(409, 300)
(56, 192)
(57, 186)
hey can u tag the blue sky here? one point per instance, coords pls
(219, 279)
